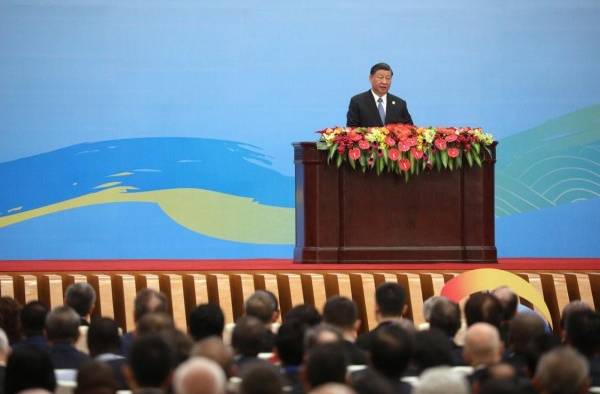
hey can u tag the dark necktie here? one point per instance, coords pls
(381, 110)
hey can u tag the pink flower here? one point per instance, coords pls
(404, 145)
(417, 154)
(453, 152)
(404, 164)
(354, 153)
(341, 149)
(390, 141)
(451, 138)
(440, 143)
(355, 136)
(393, 154)
(362, 144)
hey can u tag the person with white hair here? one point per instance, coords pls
(441, 380)
(199, 375)
(562, 371)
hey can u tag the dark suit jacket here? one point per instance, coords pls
(362, 111)
(65, 356)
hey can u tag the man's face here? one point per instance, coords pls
(381, 81)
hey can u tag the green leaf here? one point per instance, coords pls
(476, 147)
(332, 150)
(339, 160)
(352, 163)
(477, 159)
(444, 156)
(438, 161)
(363, 161)
(469, 158)
(322, 145)
(459, 161)
(379, 166)
(451, 164)
(406, 176)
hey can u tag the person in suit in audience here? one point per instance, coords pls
(441, 380)
(206, 320)
(562, 371)
(377, 107)
(149, 366)
(247, 339)
(289, 346)
(483, 349)
(62, 331)
(82, 298)
(95, 377)
(10, 322)
(431, 349)
(29, 368)
(342, 313)
(326, 363)
(445, 316)
(525, 331)
(199, 375)
(33, 320)
(582, 332)
(105, 344)
(215, 349)
(264, 306)
(391, 351)
(260, 377)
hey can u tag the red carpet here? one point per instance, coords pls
(512, 264)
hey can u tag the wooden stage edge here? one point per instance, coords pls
(228, 283)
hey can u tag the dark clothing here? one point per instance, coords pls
(36, 341)
(268, 343)
(457, 354)
(363, 112)
(116, 362)
(364, 340)
(2, 378)
(126, 343)
(292, 378)
(356, 356)
(595, 370)
(65, 356)
(399, 386)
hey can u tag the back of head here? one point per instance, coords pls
(571, 307)
(199, 375)
(81, 297)
(263, 305)
(289, 342)
(10, 320)
(154, 322)
(524, 328)
(482, 345)
(562, 371)
(441, 380)
(391, 350)
(445, 316)
(483, 307)
(4, 346)
(321, 334)
(369, 381)
(62, 324)
(33, 318)
(151, 360)
(428, 305)
(509, 301)
(149, 301)
(432, 349)
(390, 298)
(206, 320)
(583, 332)
(335, 388)
(29, 368)
(340, 312)
(261, 378)
(103, 337)
(214, 348)
(306, 313)
(248, 336)
(95, 377)
(326, 363)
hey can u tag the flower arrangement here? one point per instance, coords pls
(406, 149)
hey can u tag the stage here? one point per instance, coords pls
(228, 282)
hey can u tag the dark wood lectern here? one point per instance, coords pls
(345, 216)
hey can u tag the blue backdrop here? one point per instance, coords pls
(126, 128)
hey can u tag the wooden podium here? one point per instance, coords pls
(345, 216)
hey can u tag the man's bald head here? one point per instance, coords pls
(482, 345)
(199, 375)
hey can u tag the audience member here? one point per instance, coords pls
(326, 363)
(441, 380)
(206, 320)
(342, 313)
(199, 375)
(105, 343)
(150, 364)
(81, 297)
(289, 346)
(260, 377)
(445, 316)
(215, 349)
(369, 381)
(484, 308)
(95, 377)
(29, 368)
(33, 321)
(321, 334)
(562, 371)
(524, 331)
(391, 350)
(4, 352)
(146, 301)
(390, 305)
(431, 349)
(306, 313)
(483, 348)
(582, 331)
(10, 321)
(62, 331)
(154, 323)
(264, 306)
(573, 306)
(180, 343)
(333, 388)
(247, 339)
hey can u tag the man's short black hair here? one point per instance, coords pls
(340, 312)
(583, 331)
(248, 336)
(445, 316)
(205, 321)
(391, 350)
(326, 363)
(306, 313)
(260, 377)
(289, 342)
(484, 307)
(432, 349)
(27, 368)
(103, 337)
(151, 360)
(147, 301)
(62, 324)
(390, 298)
(81, 297)
(381, 66)
(33, 318)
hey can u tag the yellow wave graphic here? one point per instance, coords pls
(210, 213)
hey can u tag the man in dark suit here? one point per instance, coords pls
(376, 107)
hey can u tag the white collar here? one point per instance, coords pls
(376, 97)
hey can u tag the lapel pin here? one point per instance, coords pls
(393, 103)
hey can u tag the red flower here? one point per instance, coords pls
(440, 143)
(451, 138)
(404, 145)
(390, 141)
(354, 153)
(453, 152)
(362, 144)
(417, 154)
(404, 164)
(393, 154)
(355, 136)
(341, 149)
